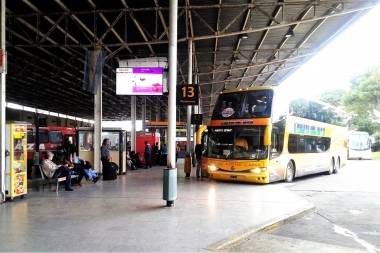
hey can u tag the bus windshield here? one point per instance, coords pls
(359, 142)
(250, 104)
(243, 143)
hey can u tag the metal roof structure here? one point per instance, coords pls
(236, 44)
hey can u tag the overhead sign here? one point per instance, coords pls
(196, 119)
(163, 124)
(187, 94)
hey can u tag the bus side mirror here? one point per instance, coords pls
(267, 135)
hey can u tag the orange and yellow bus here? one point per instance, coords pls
(258, 135)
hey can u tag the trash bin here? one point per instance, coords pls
(170, 186)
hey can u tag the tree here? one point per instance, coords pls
(333, 97)
(375, 73)
(363, 100)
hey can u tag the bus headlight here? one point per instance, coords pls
(258, 170)
(212, 167)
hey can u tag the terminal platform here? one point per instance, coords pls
(130, 215)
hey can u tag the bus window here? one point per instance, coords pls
(30, 136)
(44, 136)
(55, 136)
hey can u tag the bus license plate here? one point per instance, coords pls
(232, 176)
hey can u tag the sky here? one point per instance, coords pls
(354, 51)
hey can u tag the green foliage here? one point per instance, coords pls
(376, 136)
(376, 155)
(333, 97)
(364, 96)
(362, 100)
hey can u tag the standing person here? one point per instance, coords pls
(157, 154)
(164, 155)
(147, 153)
(105, 155)
(52, 170)
(198, 156)
(177, 149)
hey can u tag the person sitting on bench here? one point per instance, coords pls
(52, 170)
(79, 170)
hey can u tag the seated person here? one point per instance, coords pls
(52, 170)
(130, 163)
(135, 158)
(79, 163)
(242, 143)
(79, 170)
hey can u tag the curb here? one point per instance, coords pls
(265, 226)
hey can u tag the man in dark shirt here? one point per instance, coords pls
(147, 153)
(105, 154)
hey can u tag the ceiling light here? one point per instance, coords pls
(237, 59)
(289, 34)
(244, 36)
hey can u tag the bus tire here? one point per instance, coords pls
(289, 173)
(337, 166)
(331, 167)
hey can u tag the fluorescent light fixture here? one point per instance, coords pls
(14, 106)
(289, 34)
(244, 36)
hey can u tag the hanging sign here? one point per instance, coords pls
(187, 94)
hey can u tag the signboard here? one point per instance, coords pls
(139, 81)
(196, 119)
(187, 94)
(163, 124)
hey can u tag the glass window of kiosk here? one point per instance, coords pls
(114, 140)
(86, 141)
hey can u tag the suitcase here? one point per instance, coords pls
(111, 172)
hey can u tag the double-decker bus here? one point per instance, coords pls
(359, 145)
(259, 135)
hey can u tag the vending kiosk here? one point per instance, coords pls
(15, 159)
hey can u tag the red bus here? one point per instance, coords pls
(49, 139)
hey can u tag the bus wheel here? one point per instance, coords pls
(289, 172)
(331, 167)
(337, 166)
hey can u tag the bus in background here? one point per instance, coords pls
(49, 139)
(359, 145)
(201, 140)
(258, 135)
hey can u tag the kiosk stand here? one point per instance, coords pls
(15, 159)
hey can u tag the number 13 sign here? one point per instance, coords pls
(187, 94)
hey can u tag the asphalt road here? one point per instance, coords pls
(346, 218)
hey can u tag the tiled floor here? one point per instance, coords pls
(130, 215)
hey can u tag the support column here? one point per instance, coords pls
(143, 113)
(171, 173)
(2, 102)
(188, 119)
(133, 120)
(97, 139)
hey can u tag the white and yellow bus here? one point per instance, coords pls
(258, 135)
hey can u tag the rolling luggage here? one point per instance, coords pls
(111, 172)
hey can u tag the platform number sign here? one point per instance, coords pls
(187, 94)
(196, 119)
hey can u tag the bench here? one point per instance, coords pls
(51, 181)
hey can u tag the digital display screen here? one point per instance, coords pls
(139, 81)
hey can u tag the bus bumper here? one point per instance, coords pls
(261, 178)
